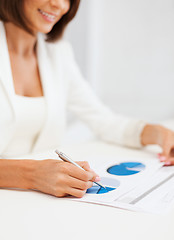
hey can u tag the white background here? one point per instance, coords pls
(126, 50)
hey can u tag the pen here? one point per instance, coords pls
(67, 159)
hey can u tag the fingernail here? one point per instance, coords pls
(162, 158)
(158, 154)
(168, 163)
(97, 179)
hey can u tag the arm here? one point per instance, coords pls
(49, 176)
(106, 124)
(16, 174)
(110, 126)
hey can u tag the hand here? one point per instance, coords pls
(60, 178)
(167, 144)
(156, 134)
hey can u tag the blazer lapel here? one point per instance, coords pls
(6, 82)
(6, 77)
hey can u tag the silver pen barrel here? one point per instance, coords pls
(65, 158)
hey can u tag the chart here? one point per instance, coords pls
(126, 168)
(109, 183)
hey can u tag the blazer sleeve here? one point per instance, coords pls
(106, 124)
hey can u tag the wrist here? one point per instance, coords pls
(28, 173)
(152, 134)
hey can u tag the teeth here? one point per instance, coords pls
(47, 15)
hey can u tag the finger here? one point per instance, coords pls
(168, 151)
(85, 165)
(169, 161)
(76, 183)
(78, 173)
(59, 195)
(162, 158)
(165, 154)
(75, 192)
(96, 177)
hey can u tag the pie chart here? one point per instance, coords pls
(126, 168)
(109, 183)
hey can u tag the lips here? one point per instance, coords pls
(50, 16)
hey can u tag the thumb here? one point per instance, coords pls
(166, 151)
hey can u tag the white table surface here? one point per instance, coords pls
(27, 215)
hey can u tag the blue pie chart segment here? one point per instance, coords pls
(109, 183)
(126, 168)
(99, 190)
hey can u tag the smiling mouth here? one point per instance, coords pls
(50, 17)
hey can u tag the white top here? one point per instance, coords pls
(64, 89)
(30, 117)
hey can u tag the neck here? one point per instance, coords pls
(19, 41)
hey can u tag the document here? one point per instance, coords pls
(135, 184)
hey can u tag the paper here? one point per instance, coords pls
(140, 185)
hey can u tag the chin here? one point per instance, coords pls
(45, 29)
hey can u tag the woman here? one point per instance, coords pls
(39, 80)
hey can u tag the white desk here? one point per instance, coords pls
(36, 216)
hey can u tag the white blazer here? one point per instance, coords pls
(64, 89)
